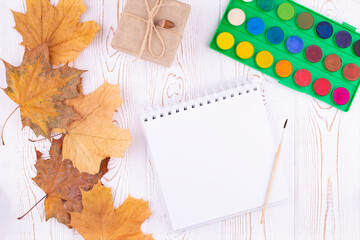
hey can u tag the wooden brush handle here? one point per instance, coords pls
(271, 183)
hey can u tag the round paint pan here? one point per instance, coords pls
(333, 63)
(275, 35)
(313, 54)
(225, 40)
(294, 44)
(256, 26)
(283, 68)
(305, 20)
(286, 11)
(322, 87)
(351, 72)
(236, 17)
(266, 5)
(341, 96)
(356, 48)
(343, 39)
(245, 50)
(303, 77)
(264, 59)
(324, 30)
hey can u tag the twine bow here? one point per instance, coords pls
(151, 27)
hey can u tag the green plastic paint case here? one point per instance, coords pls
(280, 51)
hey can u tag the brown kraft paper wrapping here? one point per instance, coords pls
(132, 28)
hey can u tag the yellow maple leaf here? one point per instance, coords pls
(100, 221)
(58, 26)
(39, 91)
(94, 136)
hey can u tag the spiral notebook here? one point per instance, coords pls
(213, 156)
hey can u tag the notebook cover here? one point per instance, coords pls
(213, 156)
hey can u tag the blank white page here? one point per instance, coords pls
(214, 160)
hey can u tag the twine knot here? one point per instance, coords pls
(151, 28)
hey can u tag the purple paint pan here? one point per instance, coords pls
(343, 39)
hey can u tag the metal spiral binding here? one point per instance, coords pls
(226, 91)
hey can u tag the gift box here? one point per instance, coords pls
(139, 34)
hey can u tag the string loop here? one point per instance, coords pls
(151, 28)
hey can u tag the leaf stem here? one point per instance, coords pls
(32, 207)
(2, 130)
(42, 139)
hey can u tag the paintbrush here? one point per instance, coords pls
(273, 174)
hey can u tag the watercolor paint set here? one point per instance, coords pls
(300, 48)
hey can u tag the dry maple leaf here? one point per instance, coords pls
(39, 91)
(100, 221)
(94, 136)
(62, 183)
(59, 26)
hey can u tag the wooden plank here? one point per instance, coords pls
(326, 158)
(279, 220)
(322, 141)
(18, 155)
(177, 84)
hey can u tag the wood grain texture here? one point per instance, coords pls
(321, 161)
(326, 192)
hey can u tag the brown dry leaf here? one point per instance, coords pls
(39, 91)
(94, 136)
(58, 26)
(62, 183)
(100, 221)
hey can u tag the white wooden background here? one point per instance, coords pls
(322, 144)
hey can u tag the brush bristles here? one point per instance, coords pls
(285, 123)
